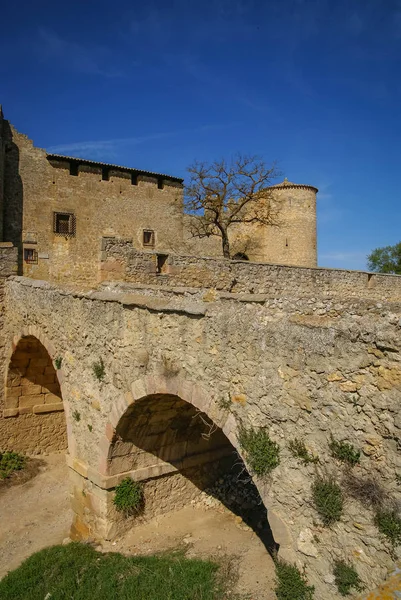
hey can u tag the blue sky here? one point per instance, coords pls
(314, 84)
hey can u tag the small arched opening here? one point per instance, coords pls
(33, 413)
(240, 256)
(180, 454)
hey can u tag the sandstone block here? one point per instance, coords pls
(45, 408)
(13, 392)
(31, 390)
(25, 401)
(52, 399)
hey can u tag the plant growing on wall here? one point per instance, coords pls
(328, 499)
(99, 370)
(263, 454)
(57, 362)
(344, 452)
(346, 578)
(291, 583)
(223, 194)
(388, 522)
(299, 450)
(128, 497)
(76, 415)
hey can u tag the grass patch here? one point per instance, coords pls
(344, 452)
(11, 462)
(346, 578)
(128, 497)
(99, 370)
(328, 499)
(299, 450)
(78, 571)
(263, 455)
(388, 523)
(291, 583)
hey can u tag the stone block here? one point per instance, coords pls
(31, 390)
(25, 401)
(13, 392)
(51, 388)
(52, 399)
(10, 412)
(46, 408)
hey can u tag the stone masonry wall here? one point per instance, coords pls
(308, 367)
(121, 262)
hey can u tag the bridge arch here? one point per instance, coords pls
(178, 451)
(35, 414)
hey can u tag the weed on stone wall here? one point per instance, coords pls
(388, 522)
(291, 583)
(367, 491)
(99, 370)
(344, 452)
(327, 499)
(346, 578)
(10, 462)
(128, 497)
(299, 450)
(57, 362)
(76, 415)
(262, 453)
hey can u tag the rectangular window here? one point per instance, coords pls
(30, 256)
(74, 169)
(148, 237)
(64, 223)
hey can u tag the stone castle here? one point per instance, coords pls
(57, 209)
(97, 275)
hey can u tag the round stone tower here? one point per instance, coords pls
(293, 242)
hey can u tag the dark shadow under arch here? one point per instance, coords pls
(163, 429)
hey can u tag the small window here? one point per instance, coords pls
(30, 256)
(74, 169)
(134, 178)
(160, 183)
(64, 223)
(105, 174)
(162, 265)
(148, 237)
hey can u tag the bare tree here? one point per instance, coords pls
(223, 193)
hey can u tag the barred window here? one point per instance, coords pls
(64, 223)
(30, 256)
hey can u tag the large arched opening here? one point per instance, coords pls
(33, 413)
(179, 454)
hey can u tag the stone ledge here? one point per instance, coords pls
(47, 408)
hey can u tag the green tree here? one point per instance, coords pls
(386, 260)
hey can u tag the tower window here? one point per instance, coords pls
(160, 183)
(64, 223)
(148, 237)
(162, 265)
(74, 169)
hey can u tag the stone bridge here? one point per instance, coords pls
(184, 369)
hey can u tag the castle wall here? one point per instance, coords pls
(121, 262)
(100, 207)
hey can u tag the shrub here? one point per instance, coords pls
(262, 452)
(10, 462)
(299, 450)
(128, 497)
(368, 491)
(346, 578)
(328, 499)
(388, 523)
(291, 583)
(99, 370)
(344, 452)
(57, 362)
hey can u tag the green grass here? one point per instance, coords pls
(79, 572)
(344, 452)
(10, 462)
(262, 454)
(128, 497)
(346, 578)
(299, 450)
(388, 523)
(291, 583)
(328, 499)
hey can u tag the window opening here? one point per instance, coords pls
(30, 255)
(162, 264)
(64, 223)
(74, 169)
(148, 237)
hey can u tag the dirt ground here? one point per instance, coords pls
(36, 514)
